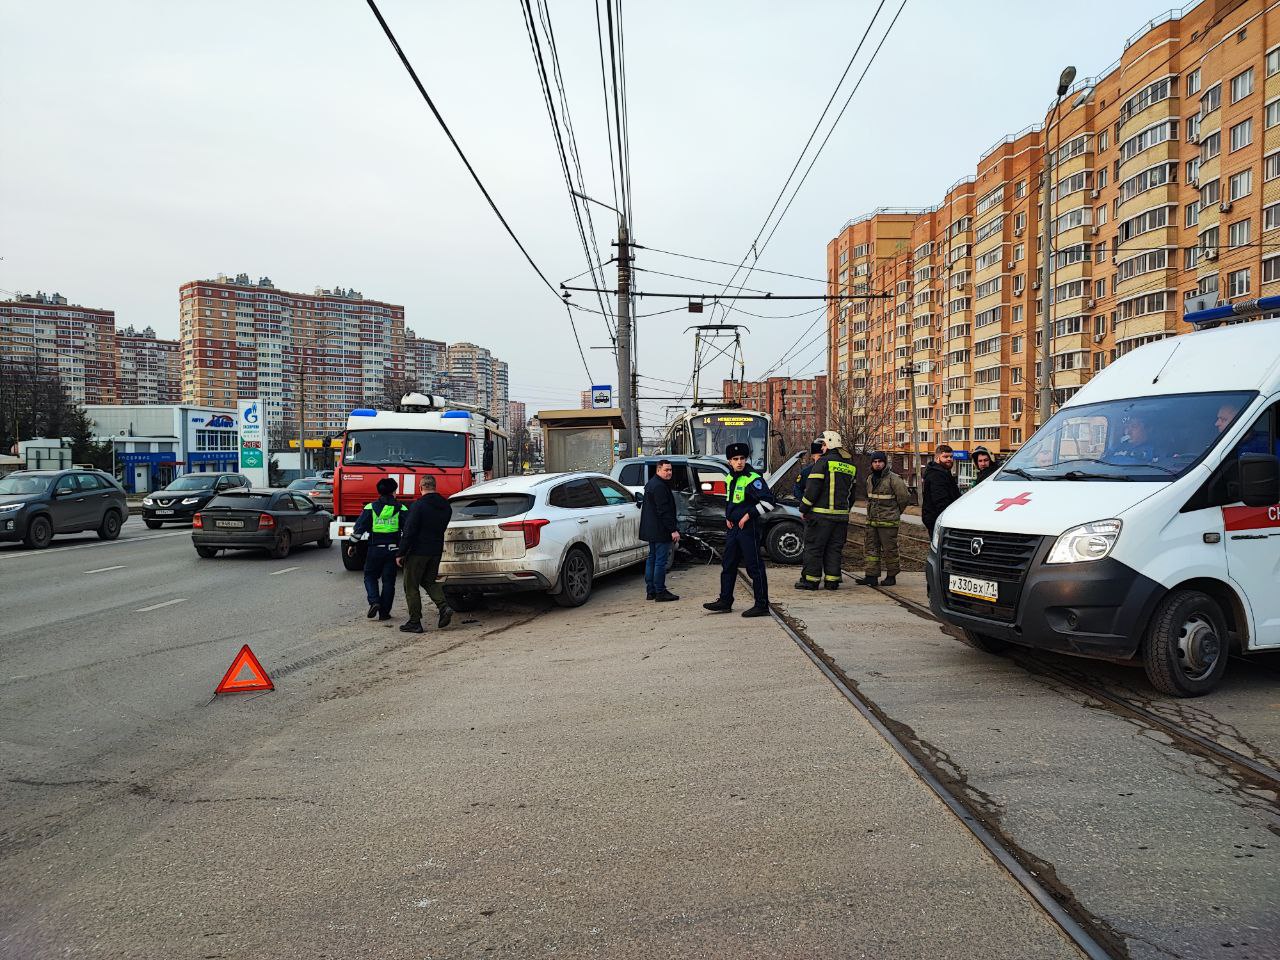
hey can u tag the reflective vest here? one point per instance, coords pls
(738, 486)
(386, 520)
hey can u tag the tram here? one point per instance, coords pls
(708, 431)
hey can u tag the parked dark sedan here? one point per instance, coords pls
(317, 488)
(182, 499)
(271, 520)
(36, 504)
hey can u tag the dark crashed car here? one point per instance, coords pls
(250, 519)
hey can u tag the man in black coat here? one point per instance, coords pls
(420, 552)
(939, 488)
(658, 527)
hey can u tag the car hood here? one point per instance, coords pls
(18, 498)
(1044, 507)
(179, 494)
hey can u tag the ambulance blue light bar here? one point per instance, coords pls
(364, 412)
(1242, 308)
(457, 414)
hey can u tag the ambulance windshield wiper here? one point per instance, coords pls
(1085, 475)
(1019, 472)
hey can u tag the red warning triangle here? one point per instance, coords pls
(246, 673)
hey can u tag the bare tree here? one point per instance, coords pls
(862, 413)
(34, 403)
(393, 388)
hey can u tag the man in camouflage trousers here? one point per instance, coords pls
(887, 497)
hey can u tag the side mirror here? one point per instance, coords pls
(1259, 479)
(639, 499)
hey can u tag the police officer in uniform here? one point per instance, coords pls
(828, 497)
(747, 499)
(381, 522)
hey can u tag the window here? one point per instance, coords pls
(1021, 189)
(990, 200)
(1015, 375)
(1273, 61)
(1241, 85)
(1020, 221)
(1146, 180)
(1193, 213)
(1241, 135)
(1142, 305)
(1210, 100)
(1238, 283)
(1071, 184)
(987, 289)
(1209, 194)
(1073, 218)
(1144, 222)
(575, 494)
(1271, 167)
(1209, 239)
(1193, 170)
(1143, 263)
(1271, 217)
(614, 495)
(1149, 95)
(1017, 316)
(1238, 234)
(1019, 285)
(1193, 82)
(1019, 252)
(989, 229)
(987, 316)
(1210, 146)
(1165, 130)
(988, 259)
(1271, 269)
(1271, 114)
(986, 405)
(1240, 185)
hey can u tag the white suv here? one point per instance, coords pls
(553, 532)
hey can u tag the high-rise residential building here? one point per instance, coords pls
(499, 394)
(1164, 180)
(75, 343)
(516, 415)
(426, 362)
(332, 348)
(148, 369)
(471, 374)
(798, 406)
(584, 399)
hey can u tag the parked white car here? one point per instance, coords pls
(553, 532)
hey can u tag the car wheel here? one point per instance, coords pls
(464, 601)
(785, 542)
(153, 524)
(39, 533)
(325, 541)
(575, 579)
(352, 562)
(208, 553)
(284, 543)
(1186, 650)
(986, 643)
(109, 529)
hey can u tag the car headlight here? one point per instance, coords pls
(936, 541)
(190, 499)
(147, 501)
(1085, 543)
(11, 506)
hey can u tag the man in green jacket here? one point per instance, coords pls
(887, 497)
(828, 497)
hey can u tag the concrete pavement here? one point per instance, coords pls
(618, 780)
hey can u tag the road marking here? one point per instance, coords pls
(157, 606)
(58, 549)
(277, 573)
(118, 566)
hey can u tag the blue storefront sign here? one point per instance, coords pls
(159, 457)
(225, 458)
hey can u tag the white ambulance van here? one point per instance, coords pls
(1143, 520)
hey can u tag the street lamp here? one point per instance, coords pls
(1046, 268)
(302, 393)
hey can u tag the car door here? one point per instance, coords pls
(712, 484)
(97, 497)
(304, 517)
(1253, 533)
(317, 523)
(582, 507)
(622, 515)
(68, 505)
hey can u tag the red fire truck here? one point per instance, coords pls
(428, 436)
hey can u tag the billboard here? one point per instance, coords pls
(253, 442)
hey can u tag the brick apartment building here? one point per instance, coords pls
(75, 343)
(1164, 172)
(246, 339)
(479, 378)
(426, 362)
(148, 369)
(798, 407)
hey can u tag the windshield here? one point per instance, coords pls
(1137, 438)
(192, 483)
(306, 483)
(431, 448)
(20, 485)
(713, 432)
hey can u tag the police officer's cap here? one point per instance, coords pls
(738, 450)
(386, 486)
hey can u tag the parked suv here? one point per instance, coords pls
(179, 501)
(36, 504)
(700, 485)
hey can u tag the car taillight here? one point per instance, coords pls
(266, 521)
(532, 530)
(197, 522)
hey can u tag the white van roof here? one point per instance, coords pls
(1241, 357)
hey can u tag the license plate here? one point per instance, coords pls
(228, 523)
(164, 513)
(987, 590)
(473, 547)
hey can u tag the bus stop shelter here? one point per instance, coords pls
(579, 439)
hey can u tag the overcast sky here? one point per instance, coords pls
(150, 143)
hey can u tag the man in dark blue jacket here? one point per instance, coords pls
(748, 498)
(658, 527)
(420, 552)
(381, 522)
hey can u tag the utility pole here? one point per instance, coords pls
(302, 406)
(626, 395)
(1046, 258)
